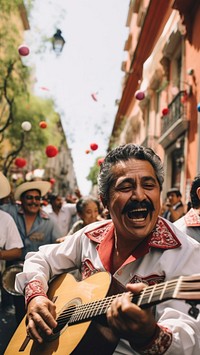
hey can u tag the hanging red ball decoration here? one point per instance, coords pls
(23, 50)
(20, 162)
(94, 96)
(51, 151)
(184, 98)
(43, 124)
(139, 95)
(165, 111)
(52, 181)
(94, 146)
(100, 161)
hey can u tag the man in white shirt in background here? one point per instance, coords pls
(63, 214)
(190, 222)
(10, 241)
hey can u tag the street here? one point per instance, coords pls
(7, 322)
(7, 326)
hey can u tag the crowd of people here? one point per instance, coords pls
(135, 243)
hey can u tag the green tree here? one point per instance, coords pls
(94, 171)
(13, 77)
(16, 103)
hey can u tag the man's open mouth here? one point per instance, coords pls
(139, 214)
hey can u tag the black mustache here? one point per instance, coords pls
(33, 204)
(136, 205)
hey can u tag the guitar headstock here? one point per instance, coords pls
(188, 287)
(184, 288)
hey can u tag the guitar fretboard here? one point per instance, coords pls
(181, 288)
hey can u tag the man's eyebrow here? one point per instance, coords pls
(152, 178)
(144, 178)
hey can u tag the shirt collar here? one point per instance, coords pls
(162, 237)
(192, 218)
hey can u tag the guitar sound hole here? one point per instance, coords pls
(64, 317)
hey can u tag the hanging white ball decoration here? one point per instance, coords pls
(26, 126)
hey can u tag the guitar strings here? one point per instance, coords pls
(83, 312)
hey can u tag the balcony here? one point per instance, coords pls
(175, 122)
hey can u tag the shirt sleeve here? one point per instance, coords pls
(55, 230)
(185, 332)
(72, 208)
(13, 239)
(50, 260)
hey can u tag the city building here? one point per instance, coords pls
(160, 101)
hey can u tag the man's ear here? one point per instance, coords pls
(198, 192)
(103, 201)
(79, 214)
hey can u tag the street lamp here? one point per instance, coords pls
(58, 42)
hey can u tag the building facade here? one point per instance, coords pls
(163, 63)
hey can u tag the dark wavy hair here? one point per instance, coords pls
(193, 192)
(124, 153)
(84, 200)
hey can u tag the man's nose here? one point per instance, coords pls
(138, 194)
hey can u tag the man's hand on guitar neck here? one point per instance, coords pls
(41, 314)
(129, 321)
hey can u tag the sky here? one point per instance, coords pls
(90, 63)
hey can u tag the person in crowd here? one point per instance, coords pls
(62, 213)
(10, 241)
(72, 198)
(7, 199)
(190, 222)
(34, 225)
(138, 248)
(88, 209)
(174, 208)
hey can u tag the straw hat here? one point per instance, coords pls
(42, 186)
(4, 186)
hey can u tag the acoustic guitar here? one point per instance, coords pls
(79, 304)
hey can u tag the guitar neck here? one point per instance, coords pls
(181, 288)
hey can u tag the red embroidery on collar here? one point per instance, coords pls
(98, 234)
(148, 280)
(162, 236)
(192, 219)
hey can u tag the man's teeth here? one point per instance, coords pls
(138, 215)
(138, 219)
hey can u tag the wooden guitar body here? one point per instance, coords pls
(67, 292)
(81, 309)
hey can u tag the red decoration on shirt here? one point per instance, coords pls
(192, 219)
(159, 344)
(33, 289)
